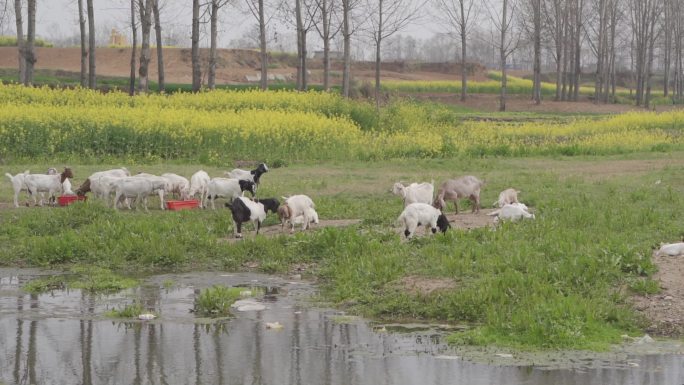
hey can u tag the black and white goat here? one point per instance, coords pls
(252, 176)
(245, 210)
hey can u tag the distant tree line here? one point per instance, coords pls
(582, 38)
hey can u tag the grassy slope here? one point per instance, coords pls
(557, 282)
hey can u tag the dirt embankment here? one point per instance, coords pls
(234, 65)
(665, 310)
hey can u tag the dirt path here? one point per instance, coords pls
(665, 310)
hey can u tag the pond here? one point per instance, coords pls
(63, 337)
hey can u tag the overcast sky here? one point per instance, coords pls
(59, 19)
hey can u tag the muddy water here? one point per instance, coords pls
(63, 338)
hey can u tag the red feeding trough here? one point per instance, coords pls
(182, 205)
(66, 200)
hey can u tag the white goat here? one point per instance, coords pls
(507, 196)
(92, 182)
(299, 205)
(313, 217)
(415, 192)
(66, 187)
(18, 184)
(670, 249)
(227, 188)
(177, 185)
(512, 212)
(198, 184)
(51, 184)
(157, 181)
(253, 176)
(137, 189)
(417, 214)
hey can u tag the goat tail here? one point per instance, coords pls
(9, 175)
(494, 213)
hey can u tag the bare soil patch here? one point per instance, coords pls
(275, 230)
(665, 310)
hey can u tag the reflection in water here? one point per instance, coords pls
(62, 338)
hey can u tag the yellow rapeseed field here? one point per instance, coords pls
(219, 126)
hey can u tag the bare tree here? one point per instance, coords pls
(643, 18)
(327, 10)
(349, 27)
(20, 40)
(134, 32)
(258, 11)
(196, 72)
(531, 21)
(216, 5)
(145, 9)
(29, 50)
(553, 11)
(160, 46)
(461, 15)
(84, 49)
(92, 82)
(678, 18)
(390, 17)
(507, 41)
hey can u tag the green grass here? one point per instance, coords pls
(560, 281)
(88, 278)
(132, 310)
(215, 301)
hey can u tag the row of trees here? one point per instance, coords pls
(614, 32)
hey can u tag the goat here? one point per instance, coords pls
(417, 214)
(253, 175)
(299, 205)
(455, 189)
(670, 249)
(177, 185)
(18, 184)
(66, 187)
(157, 180)
(507, 196)
(91, 183)
(243, 210)
(138, 188)
(284, 214)
(48, 183)
(227, 188)
(198, 184)
(313, 217)
(415, 193)
(270, 204)
(512, 212)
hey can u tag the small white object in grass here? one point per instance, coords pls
(274, 325)
(147, 317)
(246, 293)
(504, 355)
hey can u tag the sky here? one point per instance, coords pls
(59, 19)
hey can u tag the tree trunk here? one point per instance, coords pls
(346, 35)
(536, 94)
(30, 42)
(326, 45)
(196, 73)
(145, 8)
(160, 46)
(299, 28)
(20, 41)
(667, 48)
(464, 68)
(378, 42)
(92, 80)
(84, 49)
(212, 49)
(502, 53)
(578, 50)
(262, 41)
(305, 75)
(134, 32)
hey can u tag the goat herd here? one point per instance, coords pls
(420, 207)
